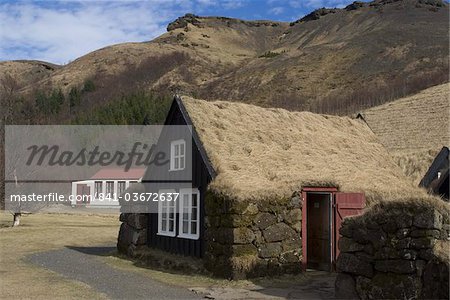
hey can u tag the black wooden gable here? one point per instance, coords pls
(439, 164)
(431, 181)
(202, 174)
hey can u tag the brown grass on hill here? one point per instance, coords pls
(265, 153)
(413, 129)
(419, 122)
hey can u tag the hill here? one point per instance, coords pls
(413, 129)
(332, 60)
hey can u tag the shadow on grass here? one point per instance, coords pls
(97, 250)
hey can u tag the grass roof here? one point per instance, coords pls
(261, 153)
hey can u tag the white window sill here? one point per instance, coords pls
(174, 170)
(171, 234)
(189, 236)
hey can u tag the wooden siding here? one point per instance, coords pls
(200, 179)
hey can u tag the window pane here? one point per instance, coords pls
(186, 216)
(185, 227)
(181, 149)
(171, 225)
(182, 162)
(194, 200)
(194, 214)
(194, 228)
(163, 225)
(176, 163)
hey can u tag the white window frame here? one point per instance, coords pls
(120, 183)
(98, 185)
(189, 235)
(180, 157)
(109, 193)
(167, 206)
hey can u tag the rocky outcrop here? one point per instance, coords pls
(316, 15)
(182, 22)
(355, 5)
(391, 255)
(253, 239)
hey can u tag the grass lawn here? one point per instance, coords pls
(42, 232)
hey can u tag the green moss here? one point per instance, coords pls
(244, 250)
(269, 54)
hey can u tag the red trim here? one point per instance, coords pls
(304, 222)
(319, 189)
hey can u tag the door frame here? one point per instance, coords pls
(317, 190)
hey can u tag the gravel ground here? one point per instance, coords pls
(83, 264)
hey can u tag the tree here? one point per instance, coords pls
(74, 97)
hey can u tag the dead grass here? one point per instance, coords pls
(199, 280)
(269, 153)
(414, 164)
(413, 129)
(417, 204)
(442, 250)
(43, 232)
(419, 122)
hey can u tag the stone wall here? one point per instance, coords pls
(251, 239)
(132, 233)
(391, 254)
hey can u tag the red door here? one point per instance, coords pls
(346, 204)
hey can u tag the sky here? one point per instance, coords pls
(61, 31)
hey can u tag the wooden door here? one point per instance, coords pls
(318, 231)
(345, 205)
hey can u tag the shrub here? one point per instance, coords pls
(269, 54)
(89, 86)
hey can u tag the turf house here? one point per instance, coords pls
(269, 188)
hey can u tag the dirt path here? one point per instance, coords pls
(85, 266)
(318, 285)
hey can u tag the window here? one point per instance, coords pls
(166, 215)
(98, 189)
(177, 155)
(189, 222)
(120, 187)
(109, 189)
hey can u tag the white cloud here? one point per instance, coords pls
(314, 4)
(276, 10)
(63, 32)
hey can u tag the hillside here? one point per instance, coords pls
(334, 61)
(413, 129)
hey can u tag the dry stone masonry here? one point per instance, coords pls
(250, 239)
(242, 239)
(392, 255)
(132, 233)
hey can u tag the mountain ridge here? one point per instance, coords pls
(316, 63)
